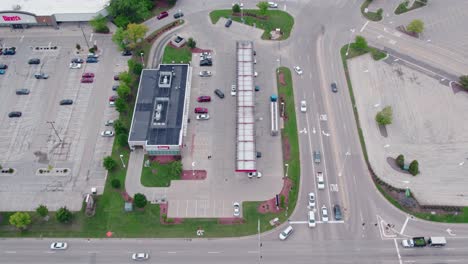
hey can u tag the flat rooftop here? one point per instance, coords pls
(159, 107)
(51, 7)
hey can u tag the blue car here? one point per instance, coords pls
(91, 60)
(2, 71)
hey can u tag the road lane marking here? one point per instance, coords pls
(10, 252)
(398, 250)
(404, 225)
(171, 252)
(213, 252)
(364, 26)
(252, 252)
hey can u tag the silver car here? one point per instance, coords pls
(140, 256)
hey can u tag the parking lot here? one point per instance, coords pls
(428, 126)
(214, 197)
(56, 150)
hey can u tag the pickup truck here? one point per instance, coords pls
(320, 181)
(414, 242)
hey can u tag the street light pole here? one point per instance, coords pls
(287, 168)
(349, 43)
(141, 56)
(121, 159)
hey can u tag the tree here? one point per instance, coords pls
(360, 44)
(414, 167)
(129, 11)
(99, 24)
(42, 210)
(400, 161)
(20, 220)
(416, 26)
(176, 167)
(191, 43)
(63, 215)
(139, 200)
(109, 163)
(119, 38)
(236, 8)
(384, 117)
(464, 81)
(122, 139)
(115, 183)
(135, 32)
(134, 67)
(263, 6)
(120, 128)
(125, 77)
(78, 46)
(121, 105)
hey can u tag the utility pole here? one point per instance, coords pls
(55, 130)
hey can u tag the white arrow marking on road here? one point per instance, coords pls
(193, 164)
(366, 70)
(91, 37)
(313, 130)
(365, 25)
(325, 134)
(449, 231)
(406, 182)
(461, 163)
(303, 131)
(386, 146)
(376, 105)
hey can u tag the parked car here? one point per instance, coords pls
(228, 22)
(77, 60)
(203, 117)
(178, 15)
(2, 72)
(257, 88)
(311, 199)
(219, 93)
(337, 211)
(3, 66)
(88, 75)
(66, 102)
(204, 98)
(233, 90)
(91, 60)
(236, 209)
(109, 122)
(206, 62)
(107, 133)
(41, 76)
(272, 5)
(14, 114)
(87, 80)
(140, 256)
(255, 74)
(93, 55)
(112, 103)
(324, 214)
(34, 61)
(298, 70)
(22, 91)
(116, 77)
(112, 98)
(162, 15)
(334, 88)
(311, 219)
(254, 174)
(75, 65)
(201, 110)
(259, 154)
(205, 74)
(9, 51)
(115, 87)
(303, 106)
(59, 246)
(286, 233)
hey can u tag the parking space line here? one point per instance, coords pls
(214, 207)
(196, 207)
(186, 207)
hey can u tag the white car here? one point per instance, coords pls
(286, 233)
(303, 106)
(298, 70)
(59, 246)
(311, 200)
(233, 90)
(240, 4)
(109, 122)
(75, 65)
(255, 174)
(324, 214)
(311, 219)
(255, 74)
(272, 5)
(107, 133)
(112, 103)
(203, 117)
(205, 74)
(140, 256)
(205, 53)
(320, 181)
(236, 209)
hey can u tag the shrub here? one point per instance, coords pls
(139, 200)
(63, 215)
(400, 161)
(115, 183)
(416, 26)
(414, 167)
(402, 7)
(360, 44)
(109, 163)
(191, 43)
(11, 170)
(42, 210)
(282, 201)
(464, 81)
(122, 140)
(236, 8)
(99, 24)
(20, 220)
(78, 46)
(384, 117)
(91, 50)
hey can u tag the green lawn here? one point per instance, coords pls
(177, 55)
(373, 16)
(276, 19)
(158, 175)
(403, 7)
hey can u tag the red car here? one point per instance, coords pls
(116, 77)
(201, 110)
(112, 98)
(87, 80)
(204, 98)
(162, 15)
(88, 75)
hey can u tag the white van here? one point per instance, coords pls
(437, 241)
(286, 233)
(311, 219)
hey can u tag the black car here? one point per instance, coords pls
(126, 53)
(178, 15)
(115, 87)
(334, 88)
(77, 60)
(34, 61)
(22, 91)
(9, 52)
(91, 60)
(228, 23)
(41, 76)
(219, 93)
(3, 66)
(66, 102)
(14, 114)
(337, 211)
(206, 62)
(259, 154)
